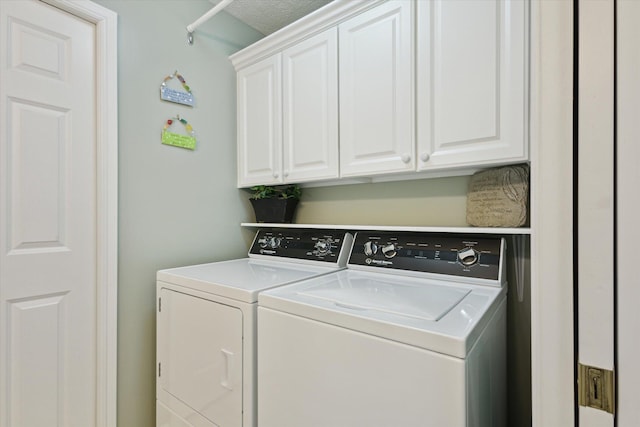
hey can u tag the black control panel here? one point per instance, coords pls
(307, 244)
(429, 253)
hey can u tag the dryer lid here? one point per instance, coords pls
(241, 279)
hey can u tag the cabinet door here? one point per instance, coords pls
(376, 113)
(260, 123)
(310, 108)
(200, 356)
(471, 82)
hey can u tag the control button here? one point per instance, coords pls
(370, 248)
(389, 250)
(262, 242)
(468, 257)
(274, 242)
(323, 247)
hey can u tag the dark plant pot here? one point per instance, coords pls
(274, 210)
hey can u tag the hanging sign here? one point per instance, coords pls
(179, 97)
(178, 140)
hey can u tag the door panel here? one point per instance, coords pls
(38, 175)
(37, 364)
(376, 124)
(471, 82)
(48, 267)
(260, 123)
(310, 108)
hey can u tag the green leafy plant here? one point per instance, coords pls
(292, 191)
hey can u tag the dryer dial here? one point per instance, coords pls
(323, 246)
(274, 242)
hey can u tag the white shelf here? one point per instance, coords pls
(461, 230)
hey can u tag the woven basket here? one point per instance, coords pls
(499, 197)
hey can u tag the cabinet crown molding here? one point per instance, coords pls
(316, 22)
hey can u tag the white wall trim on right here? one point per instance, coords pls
(551, 133)
(628, 199)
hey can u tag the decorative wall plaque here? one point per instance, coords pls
(172, 95)
(179, 140)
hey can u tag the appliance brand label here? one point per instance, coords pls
(378, 262)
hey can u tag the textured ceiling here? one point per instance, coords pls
(268, 16)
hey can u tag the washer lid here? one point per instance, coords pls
(445, 317)
(428, 302)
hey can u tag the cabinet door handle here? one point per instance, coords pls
(406, 158)
(286, 174)
(424, 157)
(275, 174)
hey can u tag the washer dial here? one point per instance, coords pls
(370, 248)
(468, 256)
(389, 250)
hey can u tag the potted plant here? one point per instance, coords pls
(275, 204)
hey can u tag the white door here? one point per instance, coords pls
(48, 256)
(310, 108)
(628, 203)
(471, 82)
(260, 123)
(376, 83)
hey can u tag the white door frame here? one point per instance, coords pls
(105, 22)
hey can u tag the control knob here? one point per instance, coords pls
(263, 242)
(389, 250)
(467, 256)
(323, 246)
(274, 242)
(370, 248)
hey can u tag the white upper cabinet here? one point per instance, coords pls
(310, 108)
(376, 103)
(260, 123)
(380, 89)
(288, 114)
(471, 83)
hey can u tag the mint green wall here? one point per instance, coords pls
(174, 204)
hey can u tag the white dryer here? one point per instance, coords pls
(206, 325)
(411, 334)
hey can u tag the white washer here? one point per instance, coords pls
(206, 324)
(412, 334)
